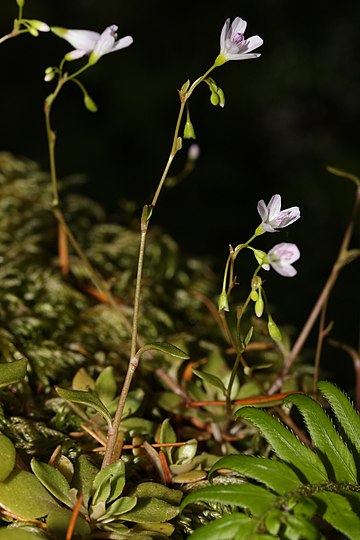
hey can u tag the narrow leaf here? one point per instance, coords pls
(286, 445)
(151, 510)
(276, 475)
(12, 372)
(335, 454)
(90, 399)
(109, 483)
(345, 413)
(211, 379)
(339, 514)
(222, 528)
(255, 498)
(166, 348)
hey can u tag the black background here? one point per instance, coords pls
(288, 114)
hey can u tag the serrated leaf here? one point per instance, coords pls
(90, 399)
(276, 475)
(255, 498)
(345, 413)
(166, 348)
(338, 512)
(335, 454)
(286, 445)
(52, 480)
(211, 379)
(12, 372)
(302, 527)
(222, 529)
(23, 495)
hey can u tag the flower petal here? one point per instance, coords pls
(122, 43)
(253, 42)
(238, 27)
(274, 206)
(80, 39)
(262, 209)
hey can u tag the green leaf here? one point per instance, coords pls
(90, 399)
(105, 385)
(255, 498)
(302, 528)
(58, 522)
(22, 533)
(8, 456)
(166, 348)
(335, 454)
(339, 513)
(286, 445)
(211, 379)
(276, 475)
(23, 494)
(109, 483)
(52, 480)
(159, 491)
(84, 474)
(12, 372)
(345, 413)
(118, 507)
(221, 529)
(151, 510)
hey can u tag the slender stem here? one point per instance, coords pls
(144, 228)
(319, 345)
(114, 428)
(304, 334)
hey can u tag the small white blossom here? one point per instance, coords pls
(233, 45)
(273, 217)
(281, 257)
(93, 44)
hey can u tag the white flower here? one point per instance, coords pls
(233, 45)
(93, 44)
(281, 257)
(273, 217)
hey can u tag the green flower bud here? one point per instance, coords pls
(223, 303)
(259, 307)
(274, 330)
(90, 103)
(254, 295)
(39, 25)
(214, 98)
(49, 74)
(33, 31)
(221, 95)
(20, 3)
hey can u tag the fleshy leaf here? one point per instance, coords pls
(151, 510)
(8, 455)
(255, 498)
(335, 454)
(276, 475)
(105, 385)
(84, 474)
(58, 522)
(286, 445)
(23, 494)
(109, 483)
(152, 489)
(52, 480)
(12, 372)
(90, 399)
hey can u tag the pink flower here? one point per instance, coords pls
(93, 44)
(281, 257)
(273, 217)
(233, 45)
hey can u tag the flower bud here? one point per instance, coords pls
(254, 295)
(33, 31)
(214, 98)
(274, 330)
(221, 95)
(20, 3)
(259, 307)
(49, 74)
(223, 303)
(90, 103)
(39, 25)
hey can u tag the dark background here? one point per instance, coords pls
(287, 115)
